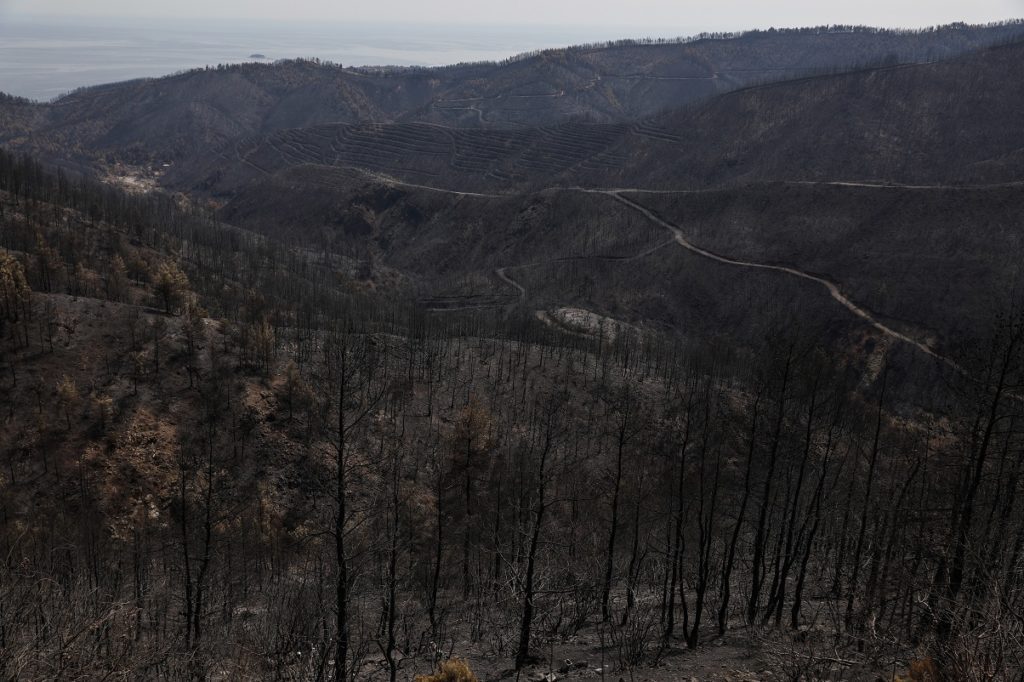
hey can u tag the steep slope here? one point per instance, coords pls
(185, 116)
(162, 470)
(949, 123)
(489, 160)
(933, 264)
(955, 122)
(17, 117)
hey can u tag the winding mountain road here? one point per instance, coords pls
(503, 275)
(832, 287)
(891, 185)
(680, 238)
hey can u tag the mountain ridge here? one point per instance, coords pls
(161, 120)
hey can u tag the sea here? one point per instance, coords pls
(45, 58)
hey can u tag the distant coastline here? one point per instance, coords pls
(43, 60)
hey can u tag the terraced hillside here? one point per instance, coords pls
(849, 127)
(458, 159)
(953, 122)
(188, 115)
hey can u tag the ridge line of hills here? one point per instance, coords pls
(161, 120)
(706, 141)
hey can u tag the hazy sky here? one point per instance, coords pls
(667, 14)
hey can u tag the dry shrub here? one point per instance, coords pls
(633, 639)
(921, 670)
(985, 640)
(452, 670)
(924, 670)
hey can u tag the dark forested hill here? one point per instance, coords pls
(954, 122)
(188, 115)
(949, 123)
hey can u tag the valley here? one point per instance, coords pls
(654, 359)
